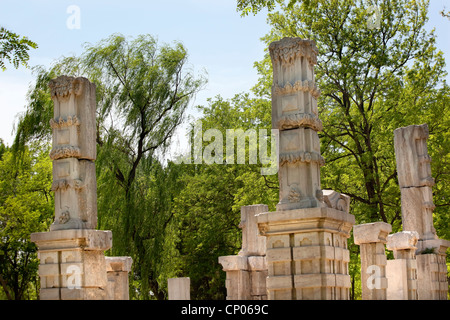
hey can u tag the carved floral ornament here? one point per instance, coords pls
(294, 195)
(62, 123)
(62, 152)
(297, 120)
(64, 184)
(301, 156)
(288, 49)
(305, 86)
(63, 86)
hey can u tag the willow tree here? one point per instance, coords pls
(143, 90)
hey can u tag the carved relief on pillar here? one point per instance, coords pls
(288, 50)
(75, 187)
(73, 123)
(73, 153)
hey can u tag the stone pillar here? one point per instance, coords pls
(307, 255)
(117, 269)
(295, 114)
(402, 272)
(72, 262)
(179, 288)
(247, 272)
(371, 238)
(416, 182)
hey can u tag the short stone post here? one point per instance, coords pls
(179, 288)
(117, 269)
(72, 261)
(371, 238)
(402, 272)
(246, 272)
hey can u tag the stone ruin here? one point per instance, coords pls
(72, 260)
(247, 272)
(306, 253)
(416, 182)
(419, 270)
(298, 252)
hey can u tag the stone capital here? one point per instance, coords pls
(64, 86)
(118, 264)
(371, 232)
(305, 220)
(402, 240)
(413, 161)
(288, 49)
(230, 263)
(438, 246)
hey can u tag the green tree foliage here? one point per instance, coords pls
(206, 212)
(14, 49)
(26, 206)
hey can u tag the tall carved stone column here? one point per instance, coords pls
(371, 237)
(247, 272)
(402, 272)
(416, 182)
(307, 255)
(72, 261)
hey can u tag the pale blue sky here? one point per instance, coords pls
(217, 38)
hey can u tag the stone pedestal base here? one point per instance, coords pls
(307, 255)
(72, 264)
(432, 280)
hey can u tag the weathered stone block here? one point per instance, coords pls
(233, 263)
(413, 161)
(432, 283)
(417, 211)
(279, 254)
(396, 273)
(179, 288)
(250, 264)
(279, 282)
(77, 258)
(253, 244)
(50, 294)
(371, 232)
(405, 240)
(258, 284)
